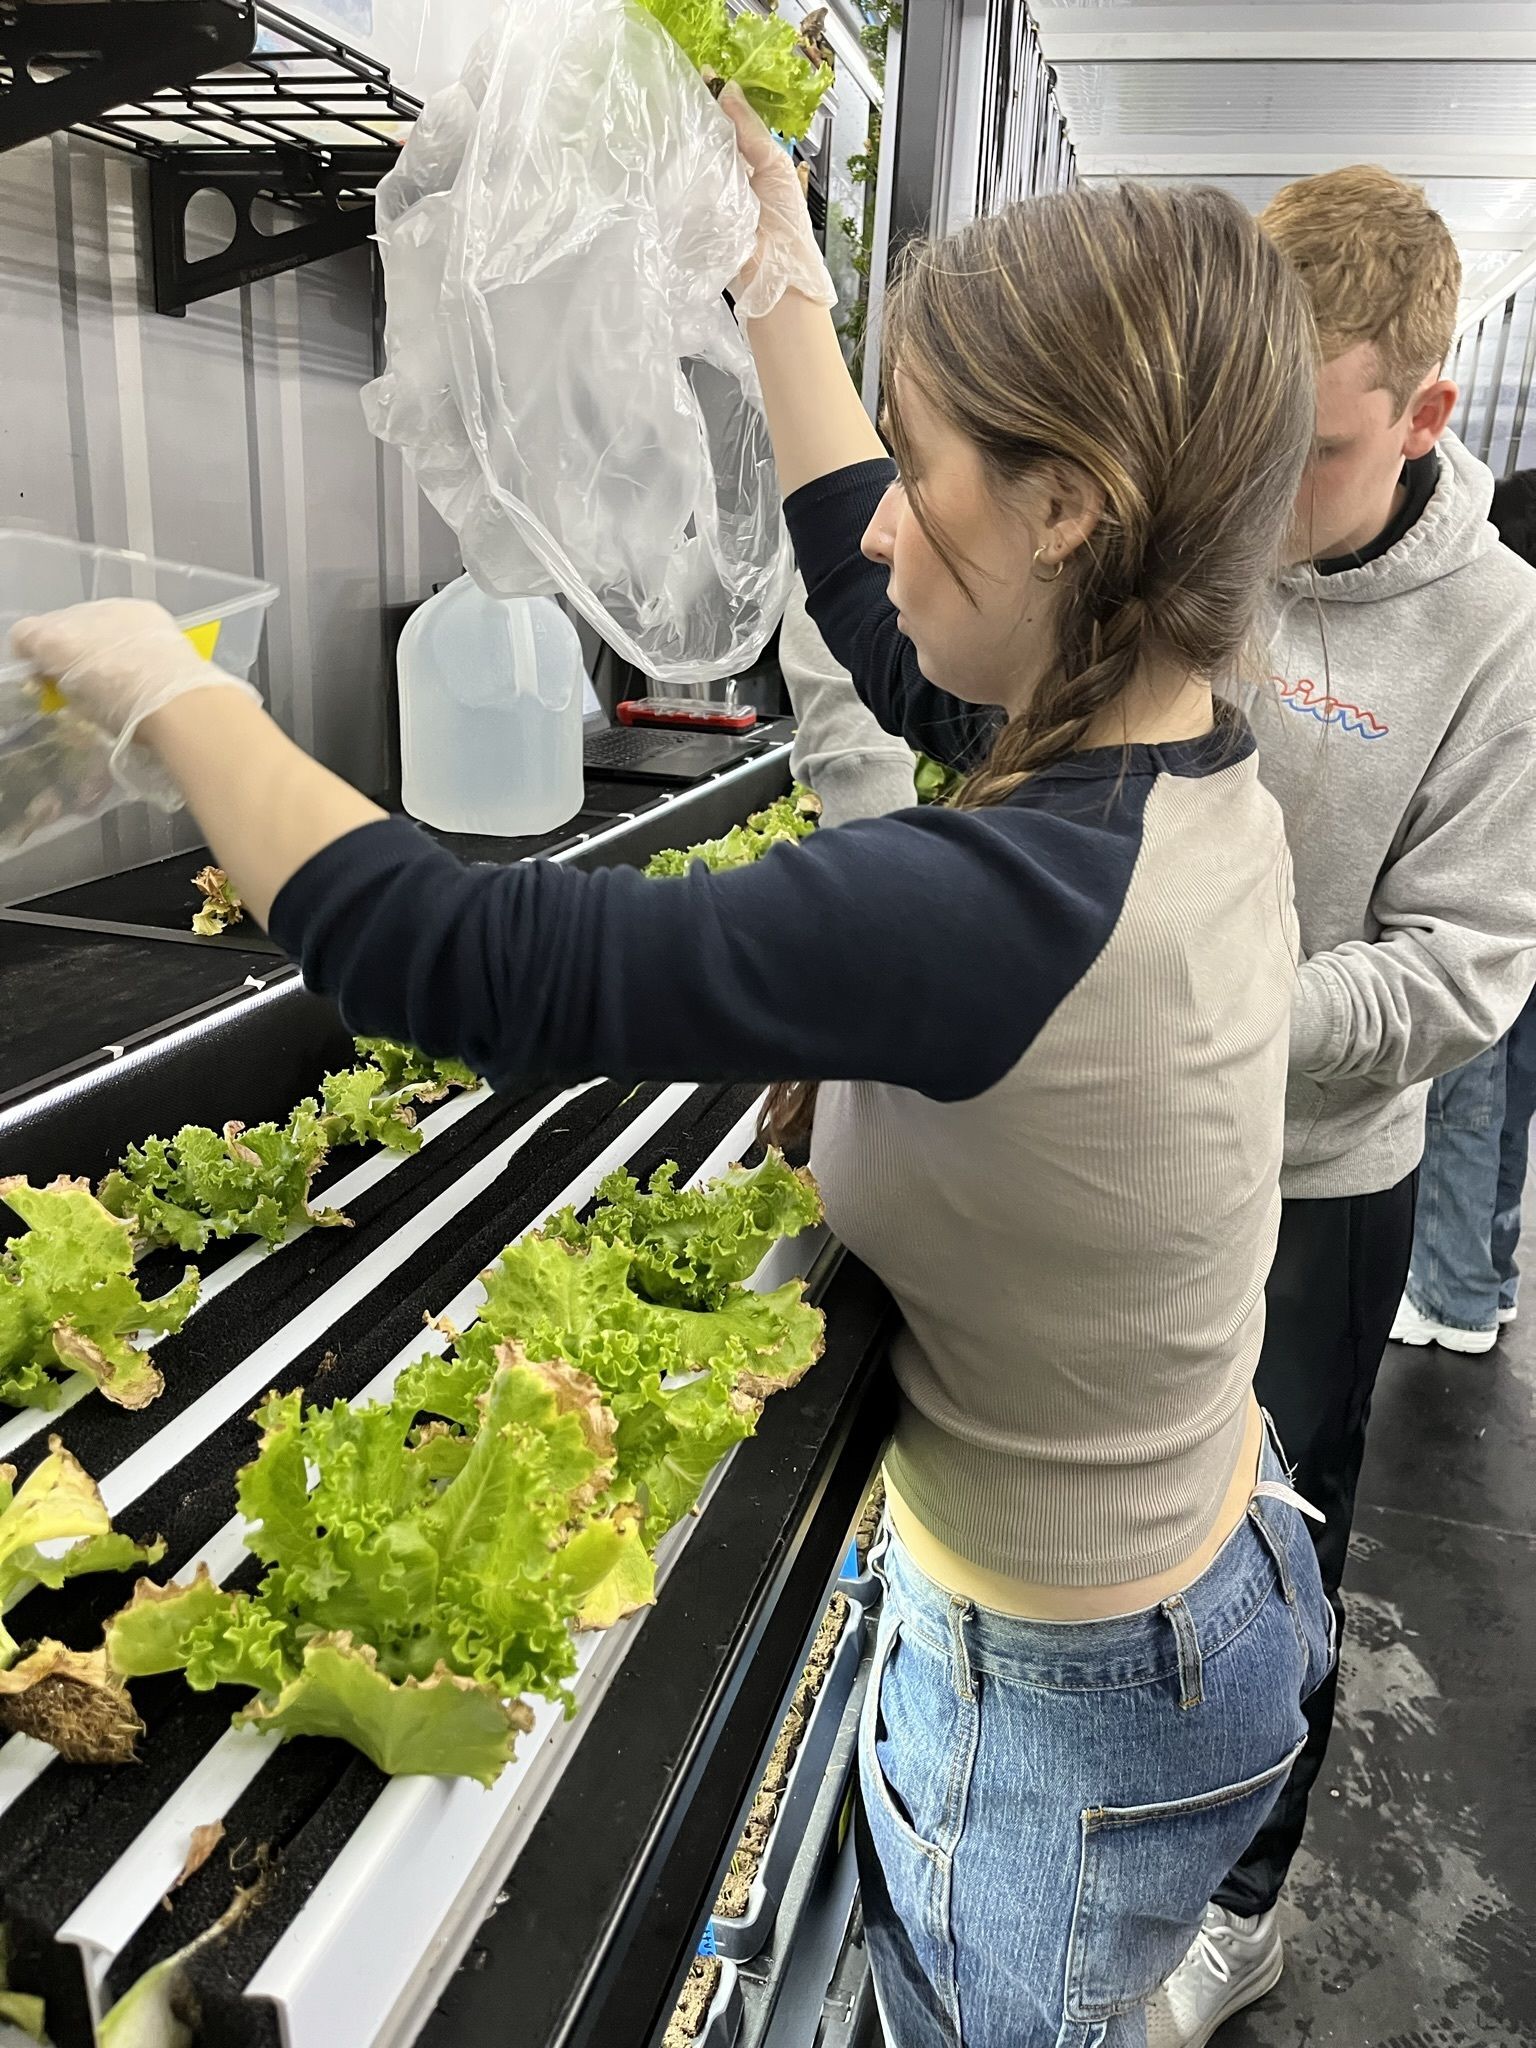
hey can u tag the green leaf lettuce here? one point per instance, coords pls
(69, 1301)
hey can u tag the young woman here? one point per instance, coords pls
(1051, 1024)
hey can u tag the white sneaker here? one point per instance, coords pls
(1412, 1327)
(1232, 1965)
(1509, 1315)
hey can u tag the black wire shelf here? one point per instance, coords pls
(235, 96)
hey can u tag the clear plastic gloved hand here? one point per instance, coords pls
(116, 662)
(785, 257)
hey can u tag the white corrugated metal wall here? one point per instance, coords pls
(1250, 94)
(232, 438)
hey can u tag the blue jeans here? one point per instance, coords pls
(1048, 1807)
(1476, 1145)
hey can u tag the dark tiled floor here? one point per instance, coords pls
(1411, 1919)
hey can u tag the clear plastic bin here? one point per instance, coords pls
(55, 768)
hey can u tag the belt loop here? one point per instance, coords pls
(1191, 1669)
(960, 1656)
(1275, 1547)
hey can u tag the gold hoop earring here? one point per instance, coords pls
(1035, 566)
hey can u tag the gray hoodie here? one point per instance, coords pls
(841, 750)
(1404, 759)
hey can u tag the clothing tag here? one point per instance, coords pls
(1271, 1489)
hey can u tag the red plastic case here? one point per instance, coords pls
(686, 714)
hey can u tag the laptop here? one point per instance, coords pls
(638, 753)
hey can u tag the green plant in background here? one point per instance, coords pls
(881, 16)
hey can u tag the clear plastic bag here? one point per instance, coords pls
(565, 378)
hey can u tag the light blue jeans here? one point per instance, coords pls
(1466, 1230)
(1048, 1807)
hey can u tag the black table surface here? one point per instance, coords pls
(67, 994)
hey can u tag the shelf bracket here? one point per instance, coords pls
(327, 217)
(65, 65)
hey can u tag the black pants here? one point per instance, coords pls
(1338, 1277)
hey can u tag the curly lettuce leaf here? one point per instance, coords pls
(69, 1302)
(698, 27)
(671, 1447)
(403, 1065)
(789, 819)
(933, 782)
(362, 1109)
(765, 58)
(442, 1725)
(448, 1386)
(691, 1245)
(238, 1182)
(407, 1602)
(215, 1637)
(581, 1306)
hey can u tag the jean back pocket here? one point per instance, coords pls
(1145, 1877)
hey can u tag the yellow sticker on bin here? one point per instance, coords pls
(204, 638)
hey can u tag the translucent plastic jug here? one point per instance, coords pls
(490, 713)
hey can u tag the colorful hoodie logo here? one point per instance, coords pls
(1305, 697)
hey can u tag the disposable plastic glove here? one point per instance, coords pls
(786, 257)
(115, 662)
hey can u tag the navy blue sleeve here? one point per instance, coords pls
(845, 594)
(924, 949)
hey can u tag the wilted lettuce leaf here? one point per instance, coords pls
(65, 1697)
(73, 1701)
(237, 1182)
(691, 1245)
(222, 903)
(69, 1302)
(57, 1499)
